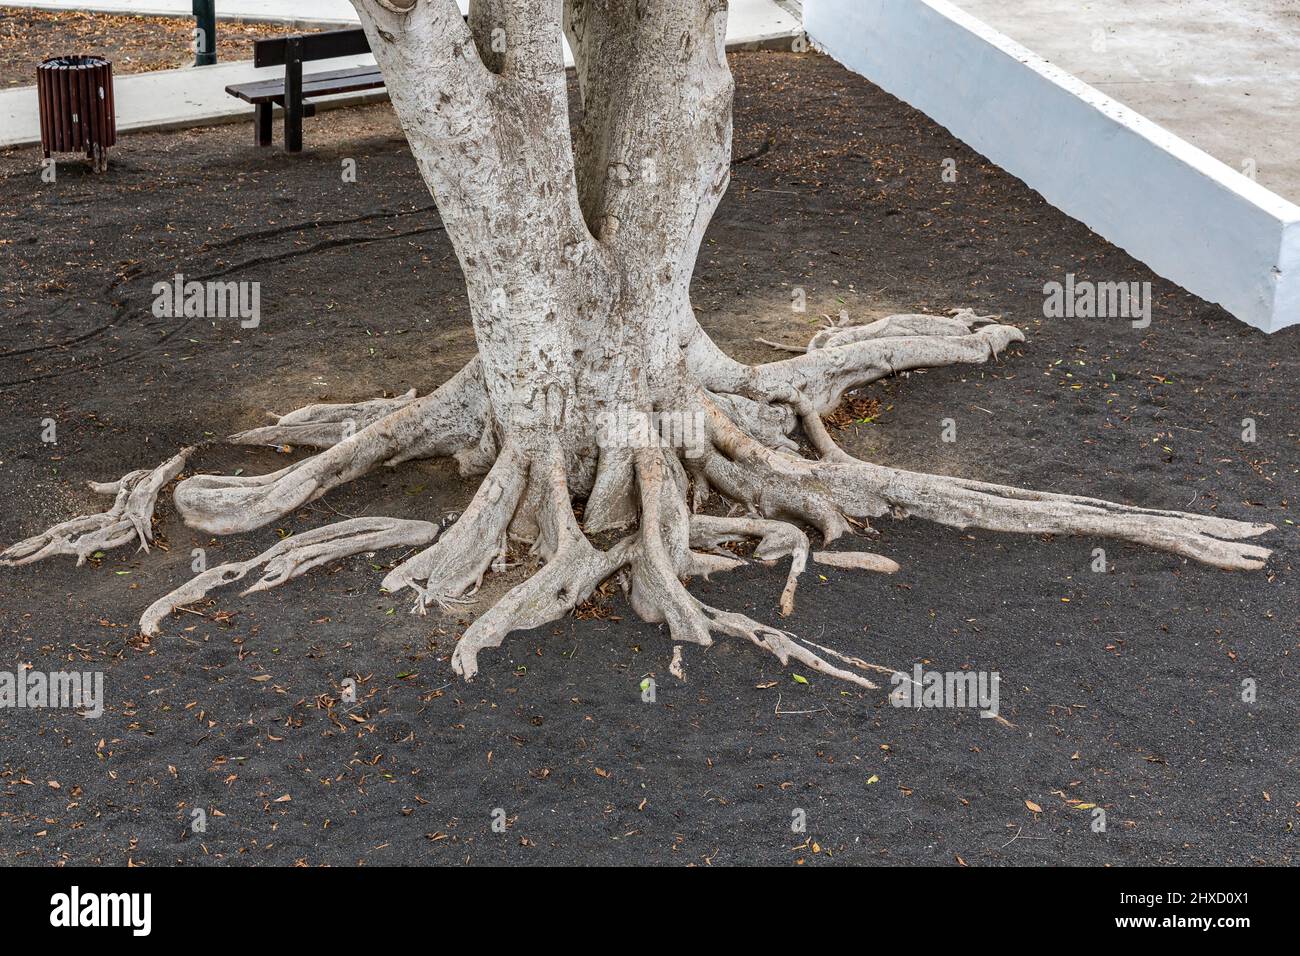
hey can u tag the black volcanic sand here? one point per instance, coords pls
(1124, 687)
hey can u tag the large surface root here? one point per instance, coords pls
(961, 503)
(454, 566)
(862, 491)
(573, 569)
(651, 495)
(450, 421)
(824, 375)
(129, 519)
(852, 357)
(322, 426)
(841, 333)
(294, 556)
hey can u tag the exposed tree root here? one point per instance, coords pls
(450, 421)
(129, 519)
(650, 495)
(961, 503)
(656, 592)
(861, 560)
(573, 569)
(294, 556)
(859, 662)
(894, 326)
(777, 540)
(454, 566)
(862, 490)
(825, 374)
(322, 426)
(612, 504)
(822, 375)
(783, 644)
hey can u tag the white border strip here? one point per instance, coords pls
(1185, 214)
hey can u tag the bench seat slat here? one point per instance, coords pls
(313, 84)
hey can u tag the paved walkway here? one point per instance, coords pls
(1222, 74)
(171, 99)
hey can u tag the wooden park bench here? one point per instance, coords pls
(293, 93)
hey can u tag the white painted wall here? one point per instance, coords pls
(1188, 216)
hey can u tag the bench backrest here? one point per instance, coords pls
(311, 46)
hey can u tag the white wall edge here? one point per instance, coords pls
(1185, 214)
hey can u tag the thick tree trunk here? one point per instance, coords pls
(593, 380)
(577, 269)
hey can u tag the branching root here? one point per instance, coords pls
(454, 566)
(294, 556)
(322, 426)
(129, 519)
(572, 571)
(777, 539)
(449, 421)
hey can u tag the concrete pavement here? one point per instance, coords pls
(1222, 74)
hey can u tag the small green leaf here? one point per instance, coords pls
(799, 678)
(645, 683)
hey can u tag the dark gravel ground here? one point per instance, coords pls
(1124, 687)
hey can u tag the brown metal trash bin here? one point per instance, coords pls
(76, 96)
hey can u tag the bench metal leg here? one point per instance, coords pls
(262, 124)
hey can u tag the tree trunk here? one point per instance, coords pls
(577, 260)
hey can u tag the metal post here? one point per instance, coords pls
(205, 32)
(293, 95)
